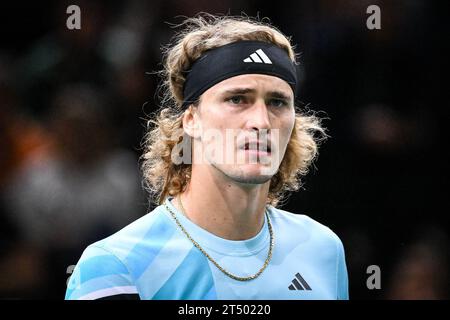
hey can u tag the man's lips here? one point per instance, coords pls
(258, 146)
(258, 153)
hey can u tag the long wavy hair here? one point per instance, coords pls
(161, 176)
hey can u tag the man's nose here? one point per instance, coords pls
(259, 116)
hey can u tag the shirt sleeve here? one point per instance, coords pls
(342, 276)
(99, 274)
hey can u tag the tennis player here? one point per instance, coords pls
(226, 148)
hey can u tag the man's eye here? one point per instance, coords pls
(236, 99)
(277, 102)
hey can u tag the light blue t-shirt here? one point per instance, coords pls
(153, 259)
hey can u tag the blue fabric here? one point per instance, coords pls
(153, 258)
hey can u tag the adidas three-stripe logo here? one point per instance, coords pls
(298, 282)
(259, 57)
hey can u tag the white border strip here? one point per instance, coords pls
(108, 292)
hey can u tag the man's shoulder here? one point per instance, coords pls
(303, 222)
(141, 232)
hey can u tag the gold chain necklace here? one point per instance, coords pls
(269, 255)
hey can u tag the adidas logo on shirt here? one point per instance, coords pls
(259, 57)
(299, 283)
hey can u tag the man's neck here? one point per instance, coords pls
(228, 210)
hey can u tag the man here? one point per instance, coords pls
(218, 160)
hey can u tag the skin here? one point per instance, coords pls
(229, 199)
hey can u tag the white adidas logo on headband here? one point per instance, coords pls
(259, 57)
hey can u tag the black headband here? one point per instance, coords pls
(242, 57)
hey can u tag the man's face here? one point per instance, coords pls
(245, 125)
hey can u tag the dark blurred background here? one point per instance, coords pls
(72, 104)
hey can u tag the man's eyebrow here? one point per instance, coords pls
(280, 95)
(273, 94)
(239, 91)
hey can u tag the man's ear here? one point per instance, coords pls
(191, 122)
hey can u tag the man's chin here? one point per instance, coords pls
(261, 170)
(252, 175)
(248, 173)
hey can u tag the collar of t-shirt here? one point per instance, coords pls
(208, 240)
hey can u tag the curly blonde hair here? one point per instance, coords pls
(161, 176)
